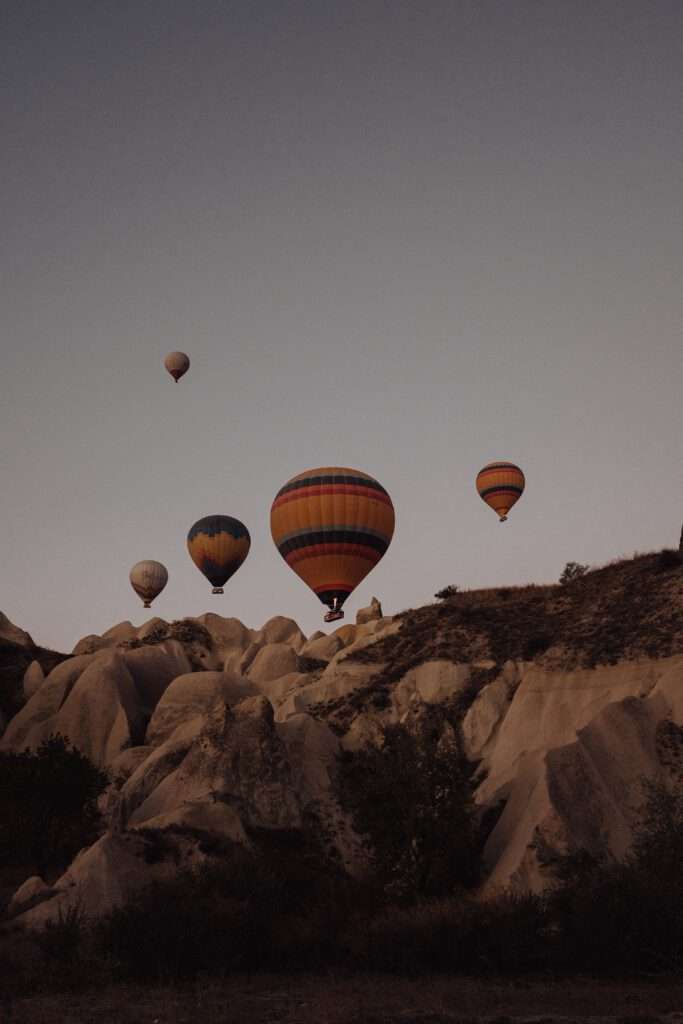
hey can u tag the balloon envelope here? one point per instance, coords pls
(332, 525)
(148, 579)
(177, 364)
(500, 485)
(218, 545)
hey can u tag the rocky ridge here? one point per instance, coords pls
(213, 731)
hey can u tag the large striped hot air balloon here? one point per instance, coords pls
(177, 364)
(218, 545)
(148, 579)
(500, 484)
(332, 526)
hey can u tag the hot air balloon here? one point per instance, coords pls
(177, 364)
(332, 526)
(500, 485)
(148, 579)
(218, 545)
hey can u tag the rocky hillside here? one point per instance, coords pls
(564, 698)
(17, 652)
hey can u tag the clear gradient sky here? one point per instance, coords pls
(406, 237)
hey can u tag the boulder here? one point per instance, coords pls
(102, 714)
(321, 647)
(30, 892)
(281, 630)
(549, 707)
(272, 661)
(369, 614)
(120, 633)
(35, 721)
(34, 677)
(193, 694)
(151, 626)
(432, 682)
(90, 644)
(232, 755)
(581, 795)
(12, 633)
(228, 635)
(102, 877)
(154, 667)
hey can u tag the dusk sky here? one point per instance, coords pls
(408, 238)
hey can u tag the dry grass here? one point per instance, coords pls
(629, 609)
(358, 1000)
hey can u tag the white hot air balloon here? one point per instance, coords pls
(177, 364)
(148, 579)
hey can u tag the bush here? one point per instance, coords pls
(668, 559)
(412, 800)
(573, 571)
(449, 591)
(48, 804)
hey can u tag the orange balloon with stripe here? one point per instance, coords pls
(500, 485)
(332, 526)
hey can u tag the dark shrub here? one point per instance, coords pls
(573, 571)
(48, 804)
(449, 591)
(667, 560)
(412, 800)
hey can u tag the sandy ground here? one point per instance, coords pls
(362, 1000)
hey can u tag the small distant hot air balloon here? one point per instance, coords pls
(500, 485)
(148, 579)
(218, 545)
(332, 526)
(177, 364)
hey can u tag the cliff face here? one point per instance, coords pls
(565, 698)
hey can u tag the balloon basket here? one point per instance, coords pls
(217, 590)
(333, 616)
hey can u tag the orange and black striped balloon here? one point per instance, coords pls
(332, 525)
(500, 484)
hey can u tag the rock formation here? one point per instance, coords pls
(211, 729)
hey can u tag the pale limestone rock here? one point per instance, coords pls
(321, 647)
(481, 723)
(366, 730)
(433, 682)
(369, 614)
(8, 631)
(586, 793)
(102, 877)
(193, 694)
(346, 634)
(548, 707)
(228, 634)
(244, 660)
(28, 893)
(215, 819)
(281, 630)
(151, 626)
(34, 677)
(235, 757)
(277, 690)
(90, 644)
(271, 662)
(34, 722)
(124, 764)
(102, 714)
(331, 685)
(154, 667)
(120, 633)
(159, 765)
